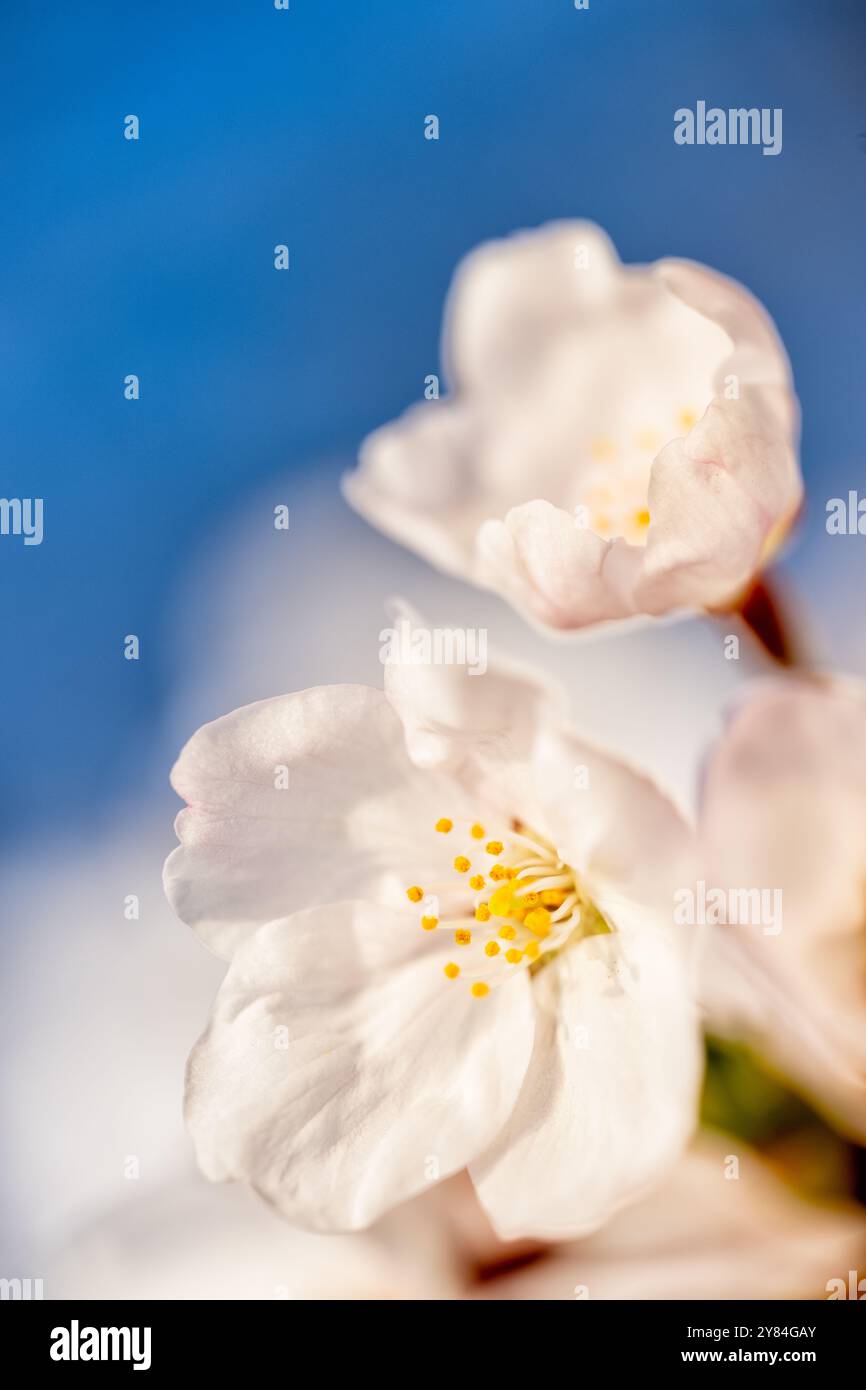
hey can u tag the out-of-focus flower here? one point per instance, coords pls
(621, 440)
(711, 1230)
(784, 813)
(189, 1240)
(451, 945)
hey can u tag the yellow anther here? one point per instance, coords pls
(511, 873)
(462, 936)
(492, 948)
(482, 913)
(500, 902)
(477, 832)
(530, 899)
(602, 449)
(452, 970)
(479, 989)
(414, 894)
(686, 419)
(507, 933)
(538, 921)
(444, 825)
(552, 897)
(476, 881)
(532, 951)
(498, 872)
(642, 518)
(429, 923)
(494, 846)
(513, 956)
(517, 914)
(461, 864)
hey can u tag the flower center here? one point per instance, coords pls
(616, 473)
(513, 903)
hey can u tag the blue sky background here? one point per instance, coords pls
(306, 127)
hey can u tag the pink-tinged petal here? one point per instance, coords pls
(610, 1097)
(558, 573)
(757, 357)
(718, 500)
(784, 811)
(416, 482)
(301, 800)
(342, 1072)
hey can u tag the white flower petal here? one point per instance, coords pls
(391, 1075)
(459, 711)
(355, 815)
(610, 1097)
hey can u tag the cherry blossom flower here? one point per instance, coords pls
(620, 440)
(451, 946)
(784, 809)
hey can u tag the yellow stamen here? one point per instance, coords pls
(479, 989)
(414, 894)
(552, 897)
(498, 872)
(482, 913)
(476, 881)
(513, 956)
(532, 951)
(452, 970)
(444, 825)
(538, 921)
(462, 936)
(642, 518)
(507, 933)
(428, 923)
(477, 832)
(492, 948)
(500, 902)
(511, 873)
(530, 899)
(494, 846)
(461, 864)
